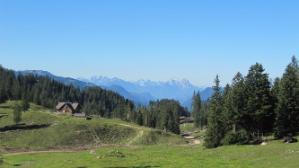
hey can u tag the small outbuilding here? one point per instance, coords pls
(68, 108)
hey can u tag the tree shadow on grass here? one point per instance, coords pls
(17, 165)
(3, 115)
(23, 127)
(5, 106)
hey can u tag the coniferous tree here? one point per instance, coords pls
(163, 114)
(215, 127)
(2, 94)
(235, 104)
(139, 118)
(259, 115)
(17, 113)
(287, 121)
(233, 112)
(196, 110)
(25, 104)
(204, 112)
(275, 89)
(226, 109)
(172, 122)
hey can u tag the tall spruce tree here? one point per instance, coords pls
(287, 121)
(259, 115)
(196, 110)
(275, 89)
(215, 128)
(226, 110)
(235, 104)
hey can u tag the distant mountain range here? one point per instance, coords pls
(141, 91)
(65, 80)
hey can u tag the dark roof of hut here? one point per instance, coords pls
(62, 104)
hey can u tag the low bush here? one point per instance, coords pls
(239, 137)
(116, 153)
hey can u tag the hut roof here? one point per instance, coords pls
(62, 104)
(75, 105)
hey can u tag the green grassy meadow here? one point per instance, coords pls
(272, 155)
(66, 132)
(70, 142)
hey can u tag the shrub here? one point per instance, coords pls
(17, 113)
(239, 137)
(116, 153)
(25, 105)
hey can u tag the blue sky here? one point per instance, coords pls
(149, 39)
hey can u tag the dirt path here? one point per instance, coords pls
(138, 136)
(135, 139)
(190, 138)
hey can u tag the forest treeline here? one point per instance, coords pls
(250, 107)
(47, 92)
(163, 114)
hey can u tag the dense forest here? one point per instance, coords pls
(46, 92)
(163, 114)
(251, 107)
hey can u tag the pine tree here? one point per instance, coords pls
(17, 113)
(2, 94)
(196, 110)
(235, 104)
(275, 89)
(226, 110)
(259, 115)
(139, 118)
(25, 104)
(215, 129)
(287, 121)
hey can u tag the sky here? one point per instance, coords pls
(149, 39)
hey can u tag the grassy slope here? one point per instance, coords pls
(166, 152)
(70, 132)
(272, 155)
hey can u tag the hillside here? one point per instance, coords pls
(54, 131)
(275, 155)
(45, 91)
(75, 142)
